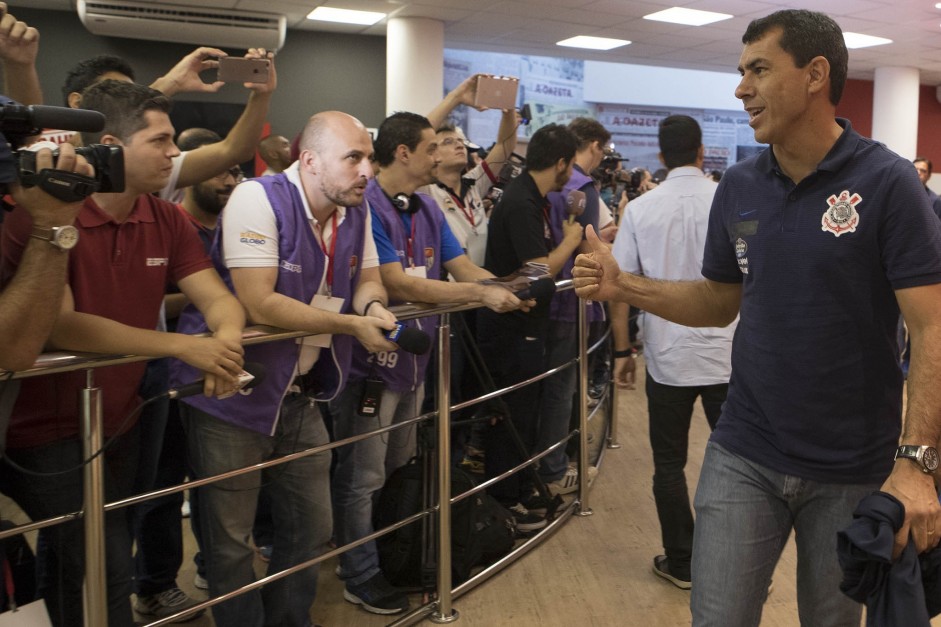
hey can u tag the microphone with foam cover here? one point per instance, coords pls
(23, 119)
(253, 368)
(409, 339)
(538, 289)
(575, 203)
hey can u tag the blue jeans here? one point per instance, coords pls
(744, 515)
(362, 469)
(555, 404)
(300, 497)
(61, 556)
(670, 411)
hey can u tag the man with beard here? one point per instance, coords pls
(299, 251)
(513, 344)
(414, 243)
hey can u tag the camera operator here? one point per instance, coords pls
(31, 298)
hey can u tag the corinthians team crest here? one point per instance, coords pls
(841, 216)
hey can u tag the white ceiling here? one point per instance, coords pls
(533, 27)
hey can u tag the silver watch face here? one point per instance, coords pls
(930, 459)
(66, 237)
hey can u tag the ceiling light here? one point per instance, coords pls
(855, 40)
(592, 43)
(688, 17)
(345, 16)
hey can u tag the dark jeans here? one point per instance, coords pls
(62, 571)
(159, 530)
(300, 500)
(513, 349)
(670, 410)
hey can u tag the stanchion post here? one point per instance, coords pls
(583, 508)
(96, 596)
(613, 398)
(444, 613)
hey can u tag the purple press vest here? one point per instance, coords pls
(563, 304)
(300, 269)
(407, 371)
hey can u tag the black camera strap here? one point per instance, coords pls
(66, 186)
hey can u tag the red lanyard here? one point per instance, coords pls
(468, 213)
(329, 255)
(410, 242)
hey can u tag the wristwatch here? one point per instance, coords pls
(925, 456)
(62, 237)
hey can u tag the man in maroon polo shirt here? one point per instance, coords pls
(131, 246)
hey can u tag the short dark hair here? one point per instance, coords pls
(588, 130)
(447, 127)
(196, 137)
(680, 139)
(124, 106)
(549, 144)
(924, 160)
(401, 128)
(86, 73)
(805, 35)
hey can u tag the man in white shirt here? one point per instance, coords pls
(661, 236)
(299, 249)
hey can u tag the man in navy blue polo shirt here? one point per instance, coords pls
(818, 243)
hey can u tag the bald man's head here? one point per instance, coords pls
(275, 150)
(335, 158)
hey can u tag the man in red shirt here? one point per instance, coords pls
(131, 246)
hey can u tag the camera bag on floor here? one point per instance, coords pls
(482, 530)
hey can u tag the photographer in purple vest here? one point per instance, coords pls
(299, 252)
(414, 243)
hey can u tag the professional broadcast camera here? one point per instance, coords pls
(17, 122)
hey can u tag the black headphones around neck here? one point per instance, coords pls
(406, 203)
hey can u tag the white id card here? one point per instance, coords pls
(30, 615)
(417, 271)
(327, 303)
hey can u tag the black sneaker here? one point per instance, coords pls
(536, 504)
(527, 522)
(376, 595)
(661, 568)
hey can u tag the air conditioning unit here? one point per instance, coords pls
(184, 24)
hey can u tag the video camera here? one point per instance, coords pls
(512, 168)
(17, 122)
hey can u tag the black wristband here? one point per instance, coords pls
(627, 352)
(370, 304)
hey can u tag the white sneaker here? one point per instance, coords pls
(200, 582)
(568, 483)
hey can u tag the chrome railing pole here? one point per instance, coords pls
(96, 590)
(583, 508)
(613, 398)
(444, 613)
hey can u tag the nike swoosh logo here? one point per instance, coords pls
(745, 213)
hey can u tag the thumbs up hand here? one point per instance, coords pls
(595, 275)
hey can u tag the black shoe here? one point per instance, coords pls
(661, 568)
(376, 595)
(527, 522)
(537, 504)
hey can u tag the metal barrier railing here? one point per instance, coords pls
(439, 610)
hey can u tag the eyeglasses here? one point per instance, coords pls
(450, 141)
(235, 172)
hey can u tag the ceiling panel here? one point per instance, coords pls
(533, 27)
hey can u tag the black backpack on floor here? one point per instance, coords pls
(482, 530)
